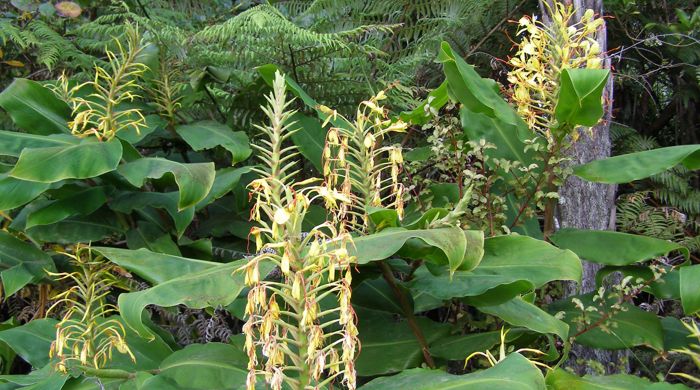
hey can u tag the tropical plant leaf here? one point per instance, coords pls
(518, 312)
(22, 263)
(310, 137)
(12, 143)
(94, 227)
(34, 108)
(389, 345)
(210, 134)
(507, 259)
(130, 201)
(640, 165)
(226, 179)
(194, 180)
(515, 372)
(560, 379)
(613, 248)
(32, 340)
(460, 346)
(84, 160)
(81, 203)
(580, 96)
(690, 293)
(15, 192)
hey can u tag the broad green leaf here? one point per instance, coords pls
(16, 192)
(445, 246)
(209, 288)
(194, 180)
(202, 367)
(34, 108)
(148, 353)
(12, 143)
(515, 372)
(517, 312)
(690, 293)
(613, 248)
(640, 165)
(45, 378)
(153, 267)
(580, 96)
(153, 123)
(676, 335)
(226, 179)
(149, 236)
(130, 201)
(507, 259)
(460, 346)
(81, 203)
(376, 294)
(94, 227)
(560, 379)
(32, 340)
(310, 137)
(21, 263)
(389, 345)
(628, 328)
(210, 134)
(84, 160)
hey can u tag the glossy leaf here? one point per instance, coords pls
(32, 340)
(445, 246)
(560, 379)
(149, 236)
(676, 335)
(613, 248)
(507, 259)
(22, 263)
(690, 293)
(208, 288)
(580, 96)
(201, 367)
(389, 345)
(130, 201)
(12, 143)
(94, 227)
(425, 111)
(458, 347)
(34, 108)
(194, 180)
(513, 373)
(225, 180)
(81, 203)
(518, 312)
(640, 165)
(84, 160)
(15, 192)
(210, 134)
(309, 137)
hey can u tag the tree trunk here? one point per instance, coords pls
(588, 205)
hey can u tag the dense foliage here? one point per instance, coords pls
(213, 196)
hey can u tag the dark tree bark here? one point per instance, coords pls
(588, 205)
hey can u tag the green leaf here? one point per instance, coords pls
(150, 236)
(389, 345)
(46, 378)
(94, 227)
(201, 367)
(209, 288)
(507, 259)
(310, 137)
(445, 246)
(376, 294)
(517, 312)
(12, 143)
(625, 329)
(153, 123)
(560, 379)
(81, 203)
(420, 115)
(22, 263)
(83, 160)
(580, 96)
(613, 248)
(16, 192)
(210, 134)
(194, 180)
(676, 335)
(226, 179)
(34, 108)
(515, 372)
(640, 165)
(130, 201)
(32, 340)
(460, 346)
(690, 293)
(153, 267)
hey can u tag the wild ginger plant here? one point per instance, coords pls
(85, 335)
(302, 345)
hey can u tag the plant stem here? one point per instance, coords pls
(408, 312)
